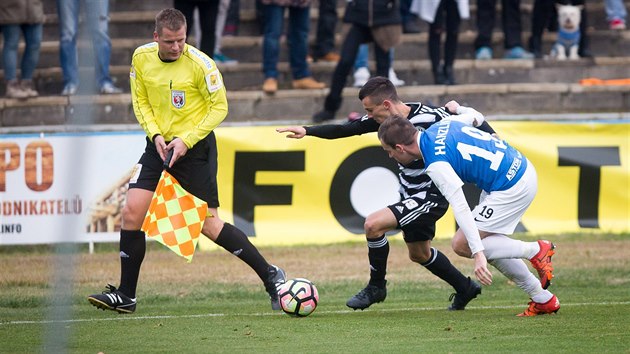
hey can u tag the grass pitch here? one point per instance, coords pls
(217, 304)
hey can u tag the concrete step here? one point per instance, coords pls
(248, 76)
(414, 46)
(467, 72)
(50, 6)
(410, 66)
(250, 107)
(249, 26)
(135, 21)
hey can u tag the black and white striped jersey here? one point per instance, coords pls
(412, 178)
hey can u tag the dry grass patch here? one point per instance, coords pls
(321, 263)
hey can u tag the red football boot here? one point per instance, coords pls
(542, 262)
(535, 309)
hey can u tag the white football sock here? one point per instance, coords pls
(499, 246)
(516, 270)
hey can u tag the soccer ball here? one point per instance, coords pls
(298, 297)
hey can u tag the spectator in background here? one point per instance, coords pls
(208, 10)
(232, 20)
(409, 19)
(377, 21)
(362, 70)
(616, 14)
(97, 19)
(544, 15)
(435, 12)
(222, 14)
(297, 39)
(324, 48)
(260, 16)
(26, 17)
(511, 23)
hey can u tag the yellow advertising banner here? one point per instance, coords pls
(583, 174)
(288, 191)
(70, 187)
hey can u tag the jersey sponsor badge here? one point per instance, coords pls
(213, 81)
(178, 98)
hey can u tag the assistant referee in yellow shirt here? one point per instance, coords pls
(179, 99)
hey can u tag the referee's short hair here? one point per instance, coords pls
(171, 19)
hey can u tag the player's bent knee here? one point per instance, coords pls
(378, 223)
(419, 252)
(372, 228)
(461, 252)
(419, 258)
(460, 247)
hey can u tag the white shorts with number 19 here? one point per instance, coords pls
(500, 211)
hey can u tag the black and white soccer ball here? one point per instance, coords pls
(298, 297)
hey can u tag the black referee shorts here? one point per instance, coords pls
(196, 171)
(417, 216)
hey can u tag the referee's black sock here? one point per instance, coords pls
(378, 251)
(442, 267)
(132, 249)
(236, 242)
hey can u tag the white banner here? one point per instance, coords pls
(64, 187)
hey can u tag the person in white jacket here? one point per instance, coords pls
(442, 14)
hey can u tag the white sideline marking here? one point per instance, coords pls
(126, 317)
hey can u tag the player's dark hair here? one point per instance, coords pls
(379, 89)
(397, 130)
(171, 19)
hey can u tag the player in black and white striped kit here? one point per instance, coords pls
(421, 205)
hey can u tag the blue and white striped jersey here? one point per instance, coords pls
(476, 156)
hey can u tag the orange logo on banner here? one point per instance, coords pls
(175, 217)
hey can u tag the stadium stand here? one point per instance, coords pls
(494, 87)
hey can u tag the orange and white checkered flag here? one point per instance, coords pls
(175, 217)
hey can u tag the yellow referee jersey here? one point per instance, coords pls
(183, 99)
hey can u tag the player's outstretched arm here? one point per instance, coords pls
(464, 114)
(296, 132)
(331, 131)
(451, 106)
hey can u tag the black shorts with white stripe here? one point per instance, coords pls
(417, 216)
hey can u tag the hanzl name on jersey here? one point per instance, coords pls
(516, 165)
(440, 137)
